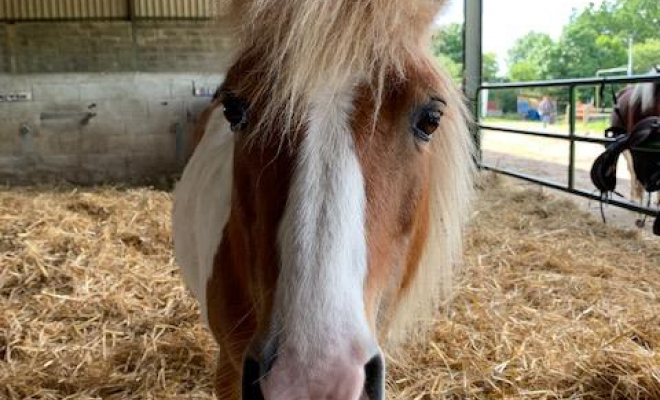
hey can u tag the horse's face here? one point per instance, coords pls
(326, 230)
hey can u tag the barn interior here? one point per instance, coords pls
(97, 102)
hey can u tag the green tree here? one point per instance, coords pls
(454, 69)
(631, 18)
(532, 48)
(595, 38)
(447, 47)
(448, 41)
(584, 48)
(490, 67)
(525, 71)
(646, 55)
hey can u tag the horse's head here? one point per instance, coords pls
(351, 177)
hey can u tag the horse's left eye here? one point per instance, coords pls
(427, 119)
(236, 110)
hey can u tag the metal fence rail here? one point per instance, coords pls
(571, 137)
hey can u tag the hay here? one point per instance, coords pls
(552, 305)
(91, 305)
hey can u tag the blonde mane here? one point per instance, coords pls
(451, 199)
(304, 47)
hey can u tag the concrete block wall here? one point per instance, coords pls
(90, 128)
(71, 47)
(113, 46)
(180, 46)
(106, 100)
(5, 56)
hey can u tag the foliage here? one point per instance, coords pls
(448, 41)
(595, 38)
(454, 69)
(587, 46)
(507, 100)
(532, 48)
(646, 55)
(525, 71)
(447, 48)
(490, 67)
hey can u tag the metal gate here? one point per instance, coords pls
(571, 137)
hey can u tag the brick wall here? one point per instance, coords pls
(117, 46)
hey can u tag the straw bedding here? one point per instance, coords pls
(551, 304)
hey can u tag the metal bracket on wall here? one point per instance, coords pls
(82, 117)
(203, 91)
(25, 129)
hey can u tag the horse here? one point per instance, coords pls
(319, 218)
(634, 104)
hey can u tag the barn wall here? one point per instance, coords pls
(90, 128)
(114, 46)
(137, 80)
(5, 56)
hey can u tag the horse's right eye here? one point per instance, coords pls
(235, 110)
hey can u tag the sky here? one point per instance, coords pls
(507, 20)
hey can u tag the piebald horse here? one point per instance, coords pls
(635, 103)
(320, 216)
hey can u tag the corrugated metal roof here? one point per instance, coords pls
(189, 9)
(36, 10)
(31, 10)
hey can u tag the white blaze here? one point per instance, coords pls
(319, 302)
(202, 202)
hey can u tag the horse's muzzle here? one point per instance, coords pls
(284, 381)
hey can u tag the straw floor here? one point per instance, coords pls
(551, 304)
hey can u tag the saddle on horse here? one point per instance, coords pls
(643, 142)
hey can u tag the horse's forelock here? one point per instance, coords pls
(303, 47)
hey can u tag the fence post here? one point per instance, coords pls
(571, 135)
(472, 63)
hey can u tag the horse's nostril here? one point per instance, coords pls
(251, 390)
(374, 384)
